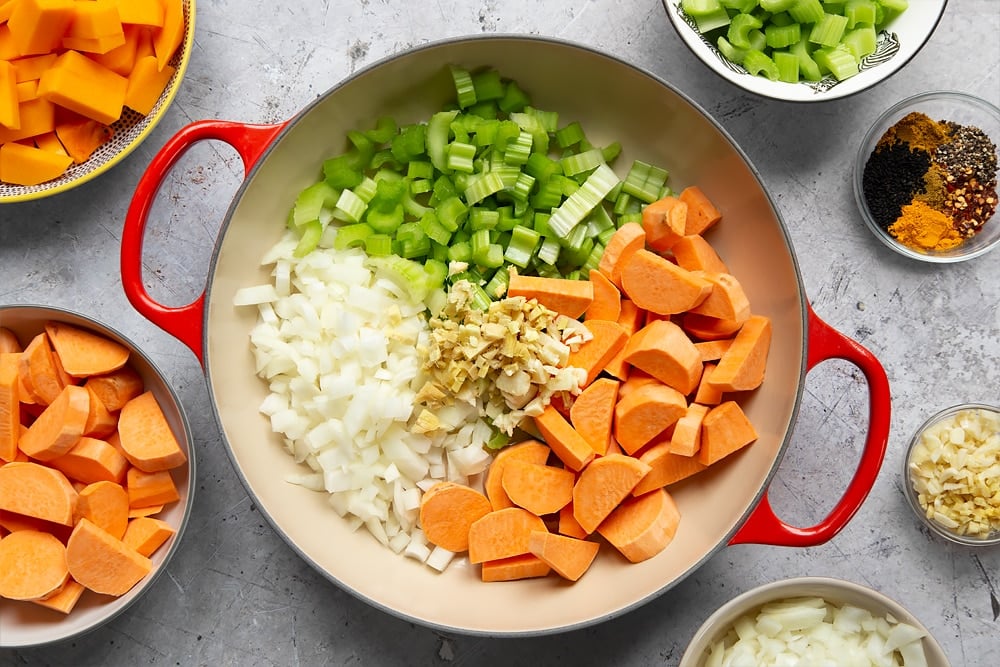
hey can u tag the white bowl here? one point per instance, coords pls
(903, 38)
(835, 591)
(23, 624)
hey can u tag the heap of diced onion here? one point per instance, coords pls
(812, 632)
(339, 345)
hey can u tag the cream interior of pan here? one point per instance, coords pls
(613, 101)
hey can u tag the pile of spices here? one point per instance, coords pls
(931, 184)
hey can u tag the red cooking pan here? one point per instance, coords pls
(727, 504)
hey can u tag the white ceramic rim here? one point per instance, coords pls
(802, 92)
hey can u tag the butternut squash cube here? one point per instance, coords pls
(78, 83)
(171, 34)
(38, 26)
(38, 116)
(95, 19)
(27, 90)
(141, 12)
(145, 85)
(94, 44)
(50, 142)
(31, 67)
(121, 59)
(7, 49)
(80, 137)
(26, 165)
(10, 116)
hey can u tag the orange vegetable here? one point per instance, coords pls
(708, 328)
(642, 526)
(92, 460)
(146, 82)
(662, 349)
(636, 379)
(602, 486)
(93, 20)
(150, 488)
(725, 429)
(540, 489)
(32, 565)
(27, 165)
(168, 38)
(742, 367)
(660, 286)
(10, 405)
(80, 137)
(707, 393)
(64, 599)
(447, 510)
(566, 297)
(106, 504)
(84, 352)
(686, 438)
(726, 301)
(608, 339)
(84, 86)
(566, 443)
(9, 342)
(592, 413)
(625, 242)
(117, 388)
(632, 319)
(666, 468)
(122, 59)
(100, 422)
(531, 451)
(702, 214)
(39, 372)
(607, 303)
(60, 425)
(694, 253)
(10, 114)
(502, 534)
(146, 438)
(37, 26)
(13, 522)
(103, 563)
(568, 556)
(664, 221)
(37, 491)
(712, 350)
(522, 566)
(645, 413)
(568, 525)
(136, 512)
(141, 12)
(146, 534)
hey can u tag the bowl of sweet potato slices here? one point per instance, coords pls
(96, 466)
(82, 84)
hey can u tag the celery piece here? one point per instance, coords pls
(518, 150)
(540, 223)
(506, 133)
(548, 251)
(496, 287)
(549, 120)
(486, 132)
(742, 6)
(507, 220)
(757, 39)
(434, 230)
(352, 236)
(482, 186)
(406, 273)
(532, 124)
(806, 11)
(522, 246)
(787, 64)
(731, 53)
(778, 37)
(420, 186)
(807, 66)
(697, 8)
(829, 30)
(514, 99)
(460, 157)
(378, 245)
(459, 251)
(713, 21)
(644, 181)
(838, 60)
(629, 216)
(312, 231)
(312, 201)
(487, 110)
(487, 84)
(592, 261)
(351, 206)
(478, 298)
(739, 29)
(343, 171)
(465, 91)
(549, 194)
(444, 188)
(522, 187)
(578, 163)
(859, 11)
(777, 5)
(542, 167)
(758, 62)
(384, 130)
(482, 218)
(570, 135)
(606, 235)
(419, 169)
(860, 42)
(438, 129)
(409, 144)
(385, 221)
(452, 212)
(413, 242)
(887, 10)
(436, 271)
(780, 19)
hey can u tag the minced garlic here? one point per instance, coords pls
(955, 470)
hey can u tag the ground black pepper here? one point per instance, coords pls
(892, 176)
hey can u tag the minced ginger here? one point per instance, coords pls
(508, 360)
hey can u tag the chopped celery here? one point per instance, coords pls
(838, 60)
(828, 30)
(758, 62)
(807, 11)
(777, 5)
(312, 202)
(488, 85)
(464, 88)
(861, 41)
(578, 163)
(859, 11)
(742, 6)
(438, 129)
(780, 36)
(312, 231)
(739, 30)
(570, 135)
(352, 236)
(701, 7)
(788, 66)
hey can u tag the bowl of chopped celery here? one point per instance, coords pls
(949, 474)
(812, 621)
(804, 50)
(925, 177)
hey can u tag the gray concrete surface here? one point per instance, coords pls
(235, 594)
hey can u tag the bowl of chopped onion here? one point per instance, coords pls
(804, 50)
(950, 474)
(813, 621)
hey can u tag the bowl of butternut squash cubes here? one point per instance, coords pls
(96, 468)
(82, 84)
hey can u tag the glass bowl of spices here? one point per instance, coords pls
(951, 474)
(925, 178)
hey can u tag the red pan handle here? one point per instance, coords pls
(763, 526)
(184, 322)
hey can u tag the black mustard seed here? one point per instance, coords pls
(893, 175)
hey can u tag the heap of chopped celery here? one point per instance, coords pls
(487, 183)
(794, 40)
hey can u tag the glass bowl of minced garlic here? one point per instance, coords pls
(925, 178)
(952, 474)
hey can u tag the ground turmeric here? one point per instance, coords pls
(925, 228)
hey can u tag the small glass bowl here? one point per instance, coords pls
(911, 494)
(939, 106)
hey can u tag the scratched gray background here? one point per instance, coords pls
(236, 595)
